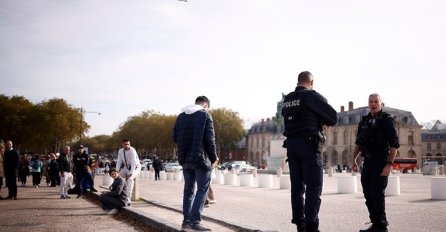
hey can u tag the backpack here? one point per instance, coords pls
(35, 165)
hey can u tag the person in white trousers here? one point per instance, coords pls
(128, 165)
(66, 178)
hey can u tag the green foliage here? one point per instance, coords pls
(228, 128)
(42, 127)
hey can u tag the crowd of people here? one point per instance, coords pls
(306, 113)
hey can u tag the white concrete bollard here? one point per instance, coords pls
(230, 179)
(285, 182)
(178, 176)
(106, 179)
(393, 186)
(265, 180)
(347, 184)
(438, 188)
(163, 175)
(246, 180)
(169, 176)
(219, 178)
(145, 174)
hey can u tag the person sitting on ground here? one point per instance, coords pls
(113, 200)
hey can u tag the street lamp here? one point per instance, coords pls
(83, 111)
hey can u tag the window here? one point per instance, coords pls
(335, 137)
(345, 137)
(429, 146)
(410, 139)
(438, 146)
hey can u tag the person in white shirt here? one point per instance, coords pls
(128, 166)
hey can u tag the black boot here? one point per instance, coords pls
(300, 227)
(312, 228)
(375, 228)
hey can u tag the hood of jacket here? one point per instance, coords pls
(192, 109)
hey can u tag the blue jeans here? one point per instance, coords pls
(193, 203)
(306, 175)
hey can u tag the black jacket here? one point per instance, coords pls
(195, 138)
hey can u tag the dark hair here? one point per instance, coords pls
(202, 99)
(113, 170)
(304, 77)
(125, 140)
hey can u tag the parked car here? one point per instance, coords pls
(172, 167)
(145, 164)
(241, 166)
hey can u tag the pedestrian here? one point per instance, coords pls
(116, 198)
(195, 138)
(24, 169)
(157, 165)
(305, 113)
(10, 166)
(80, 165)
(2, 171)
(377, 141)
(66, 178)
(92, 166)
(53, 169)
(211, 197)
(36, 170)
(128, 165)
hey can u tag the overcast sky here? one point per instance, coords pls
(123, 57)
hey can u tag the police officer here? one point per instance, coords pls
(305, 113)
(80, 163)
(377, 141)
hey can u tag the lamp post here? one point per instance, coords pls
(83, 111)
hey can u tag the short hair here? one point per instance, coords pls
(202, 99)
(125, 140)
(375, 95)
(113, 170)
(304, 77)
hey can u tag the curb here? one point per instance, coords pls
(164, 225)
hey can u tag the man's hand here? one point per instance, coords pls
(386, 170)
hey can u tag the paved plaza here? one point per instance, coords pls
(268, 209)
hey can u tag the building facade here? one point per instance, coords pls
(433, 142)
(259, 140)
(338, 148)
(341, 138)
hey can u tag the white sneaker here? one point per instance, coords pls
(112, 212)
(212, 201)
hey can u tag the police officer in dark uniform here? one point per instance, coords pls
(80, 163)
(305, 113)
(377, 141)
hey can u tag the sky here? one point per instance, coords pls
(121, 58)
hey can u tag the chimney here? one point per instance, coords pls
(267, 119)
(350, 105)
(342, 108)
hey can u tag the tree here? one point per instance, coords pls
(15, 120)
(59, 123)
(228, 128)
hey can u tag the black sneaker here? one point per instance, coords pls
(198, 227)
(375, 228)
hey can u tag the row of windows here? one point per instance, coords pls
(429, 146)
(410, 137)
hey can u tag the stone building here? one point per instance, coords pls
(259, 140)
(340, 143)
(433, 142)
